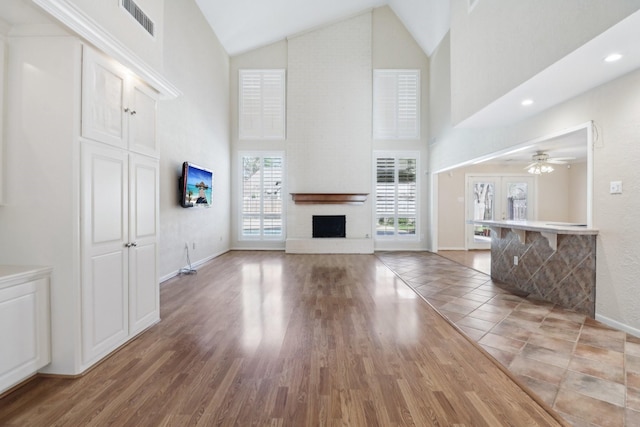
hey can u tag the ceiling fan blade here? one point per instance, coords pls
(562, 158)
(556, 161)
(531, 165)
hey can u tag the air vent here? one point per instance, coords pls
(137, 13)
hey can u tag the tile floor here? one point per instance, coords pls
(586, 371)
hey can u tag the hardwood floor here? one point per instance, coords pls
(265, 338)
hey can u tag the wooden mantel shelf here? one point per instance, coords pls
(329, 198)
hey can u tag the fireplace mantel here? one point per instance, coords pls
(329, 198)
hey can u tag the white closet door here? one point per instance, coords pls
(103, 98)
(142, 119)
(104, 192)
(144, 295)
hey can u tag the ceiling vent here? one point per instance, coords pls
(137, 13)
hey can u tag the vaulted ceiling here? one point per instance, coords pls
(243, 25)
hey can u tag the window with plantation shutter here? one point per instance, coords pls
(396, 104)
(262, 203)
(261, 102)
(396, 196)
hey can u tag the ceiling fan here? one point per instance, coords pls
(542, 163)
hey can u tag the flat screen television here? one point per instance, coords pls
(196, 186)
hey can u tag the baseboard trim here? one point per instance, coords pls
(452, 249)
(194, 266)
(618, 325)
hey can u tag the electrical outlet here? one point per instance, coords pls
(615, 187)
(515, 260)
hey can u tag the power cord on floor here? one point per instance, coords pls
(189, 270)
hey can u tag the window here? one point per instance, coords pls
(396, 104)
(262, 207)
(262, 104)
(396, 196)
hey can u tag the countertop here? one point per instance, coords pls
(541, 226)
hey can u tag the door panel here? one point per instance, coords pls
(144, 293)
(142, 120)
(104, 256)
(103, 91)
(481, 205)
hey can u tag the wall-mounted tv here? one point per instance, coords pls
(196, 186)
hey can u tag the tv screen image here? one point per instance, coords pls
(196, 186)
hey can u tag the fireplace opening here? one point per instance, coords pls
(329, 226)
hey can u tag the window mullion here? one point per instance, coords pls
(396, 172)
(262, 168)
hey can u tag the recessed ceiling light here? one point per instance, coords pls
(527, 102)
(612, 57)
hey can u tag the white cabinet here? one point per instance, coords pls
(119, 203)
(117, 108)
(120, 291)
(24, 323)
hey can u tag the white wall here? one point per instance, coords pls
(120, 24)
(329, 146)
(578, 193)
(614, 108)
(194, 128)
(537, 33)
(329, 123)
(39, 222)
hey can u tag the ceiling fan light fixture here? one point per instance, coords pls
(540, 168)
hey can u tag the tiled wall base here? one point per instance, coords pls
(566, 277)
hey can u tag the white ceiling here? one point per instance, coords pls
(243, 25)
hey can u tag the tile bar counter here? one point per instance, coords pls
(554, 262)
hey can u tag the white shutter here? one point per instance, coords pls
(273, 104)
(384, 104)
(385, 187)
(396, 104)
(261, 102)
(396, 200)
(250, 99)
(262, 203)
(408, 124)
